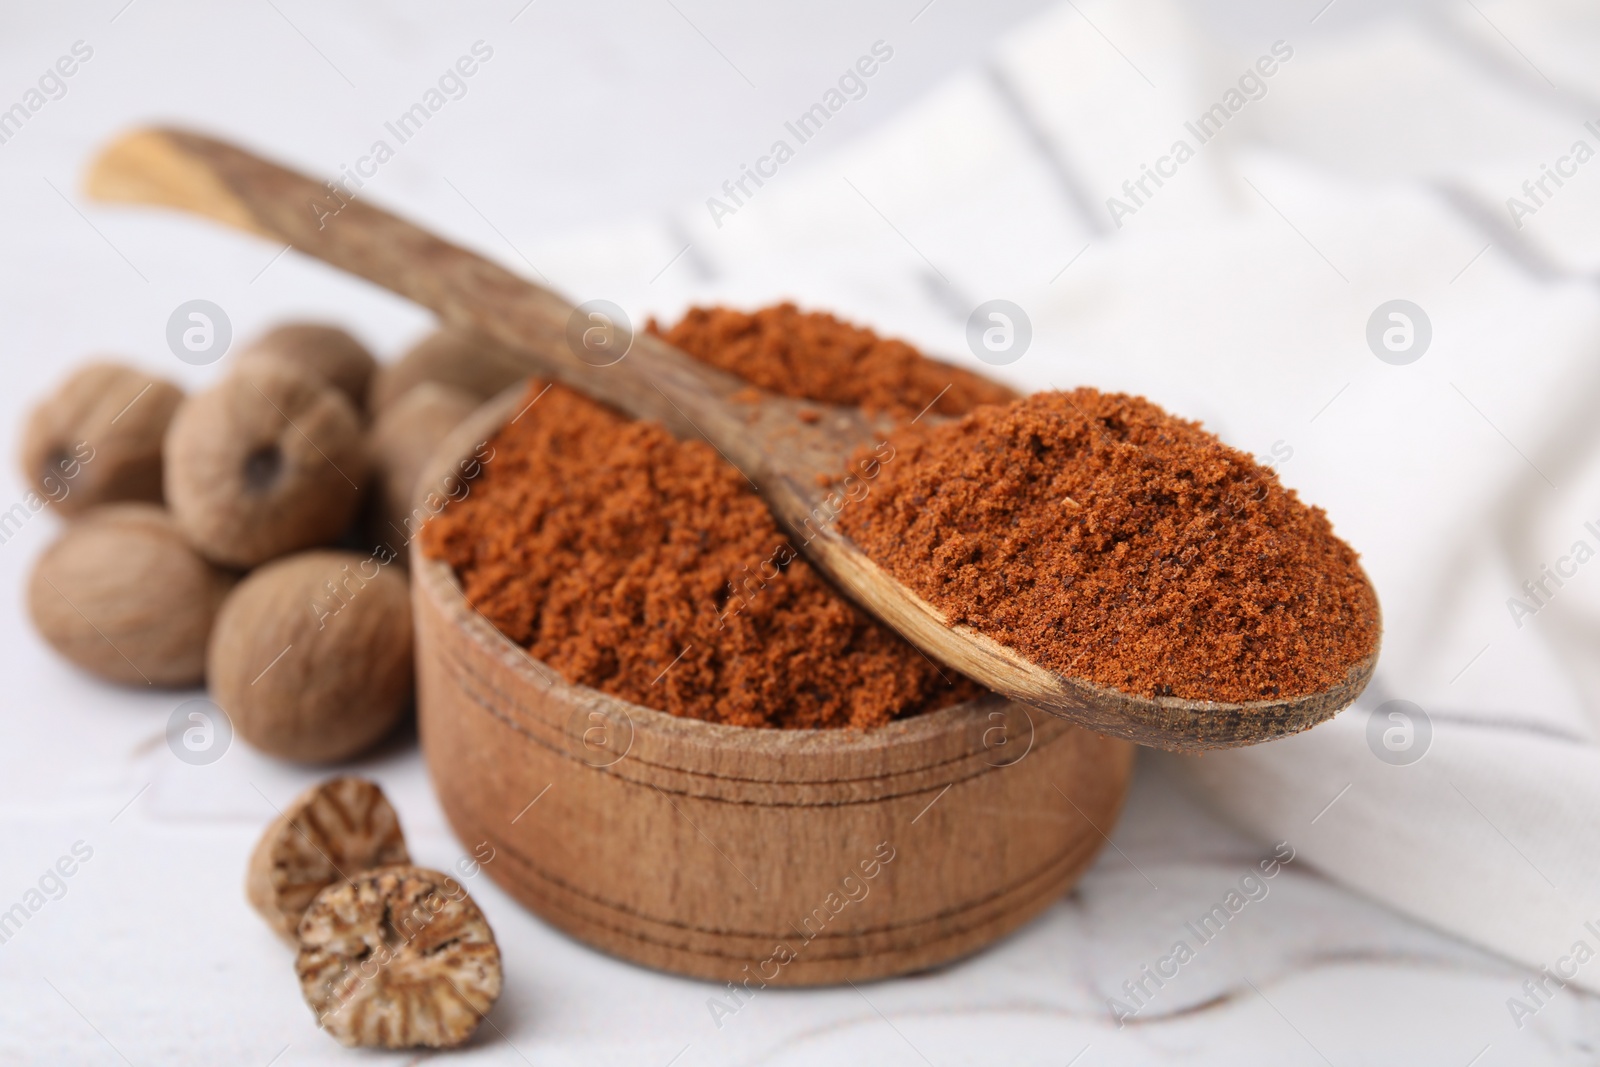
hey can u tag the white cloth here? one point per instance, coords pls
(1374, 167)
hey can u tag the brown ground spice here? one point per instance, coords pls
(646, 567)
(814, 356)
(1108, 540)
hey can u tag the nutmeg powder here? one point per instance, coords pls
(1095, 533)
(1108, 540)
(646, 567)
(814, 356)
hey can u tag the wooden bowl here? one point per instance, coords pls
(766, 857)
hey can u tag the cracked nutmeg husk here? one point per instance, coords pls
(330, 833)
(400, 957)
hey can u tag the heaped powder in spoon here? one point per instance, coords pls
(1108, 540)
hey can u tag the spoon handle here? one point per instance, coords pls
(208, 177)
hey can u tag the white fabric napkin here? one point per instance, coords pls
(1368, 167)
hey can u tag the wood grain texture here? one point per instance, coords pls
(743, 854)
(788, 460)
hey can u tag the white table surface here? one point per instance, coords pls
(586, 116)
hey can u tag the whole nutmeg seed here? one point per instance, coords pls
(326, 352)
(311, 655)
(400, 444)
(267, 462)
(330, 832)
(97, 438)
(398, 957)
(121, 594)
(465, 359)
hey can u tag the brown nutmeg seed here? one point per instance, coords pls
(398, 957)
(331, 832)
(267, 462)
(399, 444)
(311, 655)
(121, 594)
(469, 361)
(97, 438)
(326, 352)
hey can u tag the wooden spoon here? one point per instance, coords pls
(788, 459)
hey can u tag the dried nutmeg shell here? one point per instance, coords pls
(97, 438)
(121, 594)
(398, 957)
(265, 463)
(400, 444)
(331, 832)
(469, 361)
(311, 655)
(326, 352)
